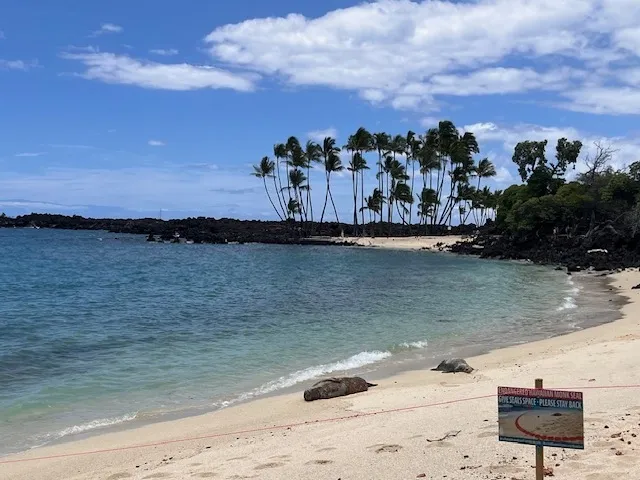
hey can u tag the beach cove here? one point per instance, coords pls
(391, 431)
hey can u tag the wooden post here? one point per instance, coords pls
(539, 449)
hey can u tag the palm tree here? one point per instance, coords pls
(413, 147)
(381, 144)
(265, 170)
(293, 207)
(358, 143)
(297, 179)
(398, 177)
(357, 165)
(460, 151)
(332, 163)
(312, 154)
(426, 205)
(484, 169)
(280, 152)
(297, 162)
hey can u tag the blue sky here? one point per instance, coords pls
(125, 108)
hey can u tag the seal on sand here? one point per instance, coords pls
(453, 365)
(337, 387)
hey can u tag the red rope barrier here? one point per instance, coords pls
(291, 425)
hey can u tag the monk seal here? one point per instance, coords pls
(453, 365)
(337, 387)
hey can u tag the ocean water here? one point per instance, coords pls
(99, 329)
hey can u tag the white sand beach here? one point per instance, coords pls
(419, 424)
(405, 243)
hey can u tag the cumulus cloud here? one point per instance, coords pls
(156, 143)
(107, 28)
(408, 53)
(319, 135)
(122, 69)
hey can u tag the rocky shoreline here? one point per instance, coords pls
(218, 231)
(604, 248)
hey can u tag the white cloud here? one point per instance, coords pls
(107, 28)
(121, 69)
(17, 65)
(164, 52)
(504, 176)
(30, 154)
(319, 135)
(407, 52)
(156, 143)
(605, 100)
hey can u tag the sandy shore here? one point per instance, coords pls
(404, 243)
(401, 444)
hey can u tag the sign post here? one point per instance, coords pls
(535, 416)
(539, 448)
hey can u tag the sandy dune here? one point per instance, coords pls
(452, 431)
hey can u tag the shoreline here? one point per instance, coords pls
(433, 243)
(414, 358)
(398, 391)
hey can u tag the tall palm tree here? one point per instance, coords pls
(265, 170)
(280, 153)
(332, 164)
(312, 154)
(381, 144)
(364, 143)
(413, 147)
(297, 179)
(398, 176)
(357, 165)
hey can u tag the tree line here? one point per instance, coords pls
(547, 205)
(436, 172)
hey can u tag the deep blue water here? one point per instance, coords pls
(97, 328)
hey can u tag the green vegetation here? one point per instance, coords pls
(436, 171)
(546, 204)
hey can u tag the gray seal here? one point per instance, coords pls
(454, 365)
(337, 387)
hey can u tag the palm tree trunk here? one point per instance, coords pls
(264, 181)
(334, 205)
(413, 176)
(309, 199)
(355, 200)
(362, 199)
(380, 179)
(275, 187)
(326, 198)
(281, 191)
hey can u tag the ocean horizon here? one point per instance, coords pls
(103, 330)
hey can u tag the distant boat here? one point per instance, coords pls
(189, 242)
(33, 225)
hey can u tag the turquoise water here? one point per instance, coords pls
(98, 329)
